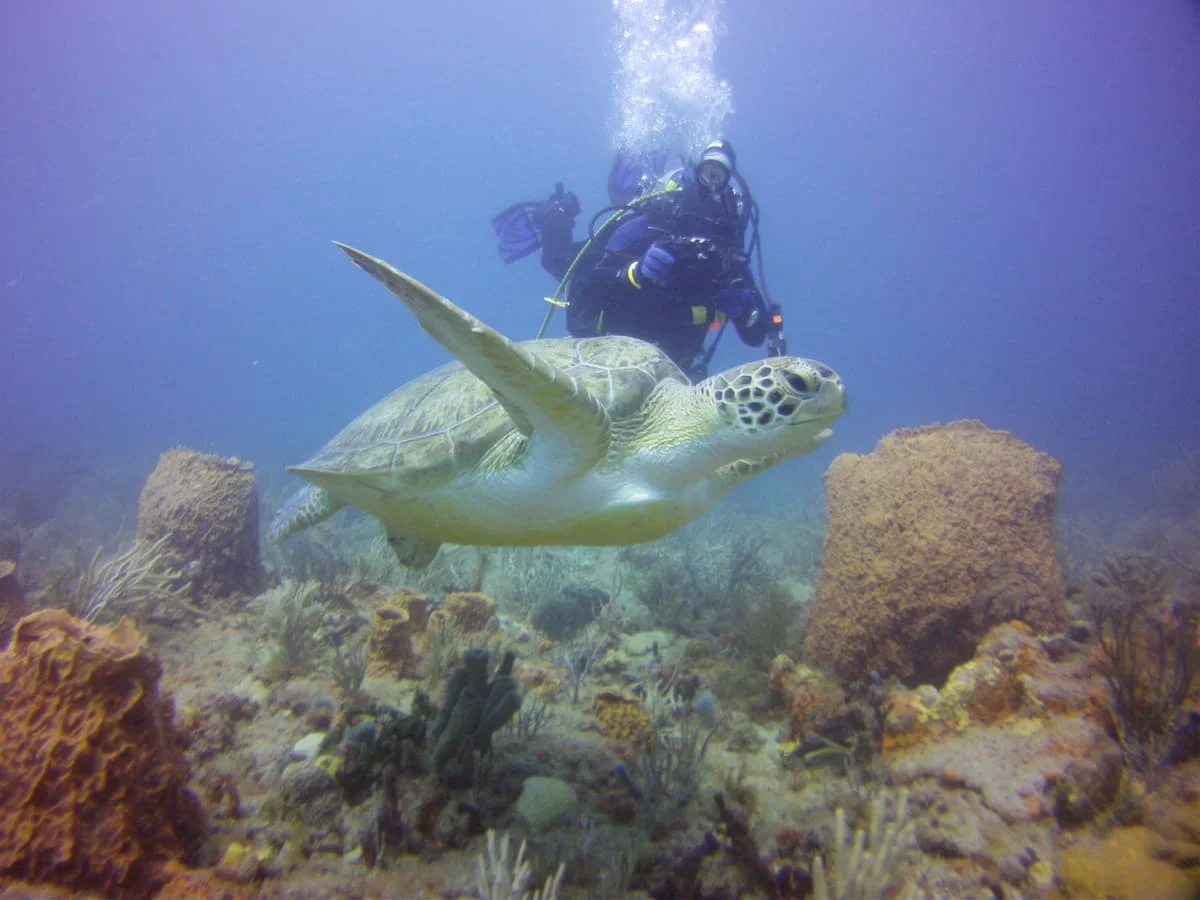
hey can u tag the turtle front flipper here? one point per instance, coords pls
(307, 506)
(568, 428)
(727, 477)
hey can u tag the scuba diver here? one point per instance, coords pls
(668, 265)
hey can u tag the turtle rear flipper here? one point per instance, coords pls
(412, 552)
(307, 506)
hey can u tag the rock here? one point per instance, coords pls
(306, 748)
(561, 617)
(1124, 865)
(544, 801)
(812, 697)
(643, 643)
(1087, 787)
(237, 706)
(1015, 771)
(936, 536)
(310, 795)
(239, 863)
(1079, 631)
(1027, 733)
(956, 824)
(704, 705)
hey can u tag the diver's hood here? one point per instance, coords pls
(684, 179)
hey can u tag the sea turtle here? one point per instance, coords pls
(599, 441)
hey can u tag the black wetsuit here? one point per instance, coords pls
(705, 238)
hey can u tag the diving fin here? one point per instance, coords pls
(517, 230)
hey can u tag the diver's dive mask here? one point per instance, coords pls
(716, 166)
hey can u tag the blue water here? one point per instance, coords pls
(986, 210)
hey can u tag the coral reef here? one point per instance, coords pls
(936, 536)
(208, 506)
(994, 766)
(93, 791)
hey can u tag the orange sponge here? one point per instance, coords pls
(93, 787)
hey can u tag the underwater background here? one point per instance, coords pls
(952, 653)
(987, 210)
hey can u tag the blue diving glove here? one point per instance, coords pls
(733, 301)
(656, 264)
(630, 232)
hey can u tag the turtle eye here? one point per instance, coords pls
(798, 383)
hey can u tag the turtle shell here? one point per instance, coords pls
(448, 421)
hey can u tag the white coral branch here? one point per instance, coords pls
(866, 861)
(498, 880)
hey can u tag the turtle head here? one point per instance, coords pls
(780, 405)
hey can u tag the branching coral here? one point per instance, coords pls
(125, 582)
(349, 667)
(444, 645)
(580, 655)
(292, 613)
(1149, 647)
(670, 771)
(524, 576)
(529, 720)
